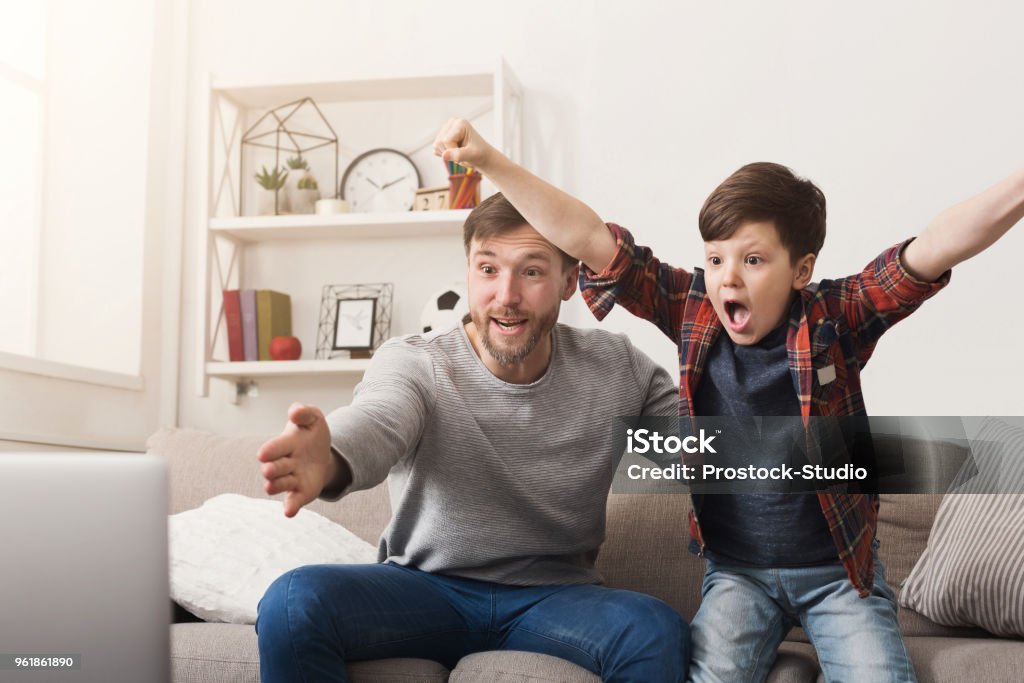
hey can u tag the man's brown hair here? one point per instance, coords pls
(496, 216)
(764, 191)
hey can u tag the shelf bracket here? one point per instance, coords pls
(245, 387)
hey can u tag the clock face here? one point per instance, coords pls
(380, 180)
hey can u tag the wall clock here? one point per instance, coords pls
(380, 180)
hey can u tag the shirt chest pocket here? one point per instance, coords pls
(828, 373)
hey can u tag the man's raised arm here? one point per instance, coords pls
(565, 221)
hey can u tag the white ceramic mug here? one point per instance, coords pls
(326, 207)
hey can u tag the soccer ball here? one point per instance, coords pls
(444, 309)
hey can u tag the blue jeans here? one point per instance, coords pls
(313, 619)
(746, 612)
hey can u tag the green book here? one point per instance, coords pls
(273, 319)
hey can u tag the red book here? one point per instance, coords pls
(233, 317)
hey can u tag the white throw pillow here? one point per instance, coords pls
(226, 553)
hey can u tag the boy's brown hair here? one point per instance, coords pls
(764, 191)
(495, 216)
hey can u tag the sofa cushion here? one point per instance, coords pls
(228, 653)
(966, 659)
(202, 465)
(904, 523)
(645, 549)
(396, 671)
(796, 663)
(226, 553)
(214, 653)
(509, 666)
(972, 571)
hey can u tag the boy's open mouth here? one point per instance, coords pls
(738, 314)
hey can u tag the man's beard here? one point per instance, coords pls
(516, 354)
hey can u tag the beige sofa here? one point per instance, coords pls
(645, 550)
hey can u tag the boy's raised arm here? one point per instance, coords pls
(966, 229)
(567, 222)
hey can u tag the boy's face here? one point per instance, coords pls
(750, 280)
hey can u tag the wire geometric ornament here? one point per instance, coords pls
(383, 292)
(274, 127)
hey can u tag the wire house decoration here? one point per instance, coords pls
(381, 292)
(280, 130)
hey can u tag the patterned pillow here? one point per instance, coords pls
(226, 553)
(972, 572)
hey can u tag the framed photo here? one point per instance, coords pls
(353, 324)
(354, 319)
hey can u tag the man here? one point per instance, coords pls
(495, 436)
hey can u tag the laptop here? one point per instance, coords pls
(83, 581)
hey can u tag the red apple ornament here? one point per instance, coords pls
(285, 348)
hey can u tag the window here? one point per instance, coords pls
(75, 138)
(22, 110)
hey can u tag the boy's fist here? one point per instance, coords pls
(458, 141)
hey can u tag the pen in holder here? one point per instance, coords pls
(464, 190)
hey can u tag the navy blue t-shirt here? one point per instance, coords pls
(759, 529)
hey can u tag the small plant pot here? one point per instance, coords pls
(265, 202)
(304, 201)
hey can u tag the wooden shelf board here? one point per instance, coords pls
(268, 368)
(455, 84)
(346, 225)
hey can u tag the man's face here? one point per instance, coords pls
(516, 283)
(750, 280)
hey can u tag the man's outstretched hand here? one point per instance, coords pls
(299, 461)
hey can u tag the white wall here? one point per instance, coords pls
(895, 109)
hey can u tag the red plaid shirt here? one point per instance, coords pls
(836, 324)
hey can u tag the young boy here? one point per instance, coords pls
(773, 560)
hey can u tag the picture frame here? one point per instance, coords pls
(354, 319)
(353, 324)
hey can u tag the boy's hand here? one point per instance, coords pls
(299, 461)
(458, 141)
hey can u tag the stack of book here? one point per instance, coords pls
(254, 317)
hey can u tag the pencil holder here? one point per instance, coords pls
(463, 190)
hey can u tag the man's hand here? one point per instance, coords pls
(565, 221)
(299, 461)
(458, 141)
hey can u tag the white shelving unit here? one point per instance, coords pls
(342, 226)
(233, 106)
(265, 368)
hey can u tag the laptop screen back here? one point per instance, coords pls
(84, 569)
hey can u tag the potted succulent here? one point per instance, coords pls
(303, 193)
(272, 182)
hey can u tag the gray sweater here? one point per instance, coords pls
(490, 480)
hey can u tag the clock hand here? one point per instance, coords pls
(388, 184)
(374, 184)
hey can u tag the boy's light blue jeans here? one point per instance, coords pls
(746, 612)
(313, 619)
